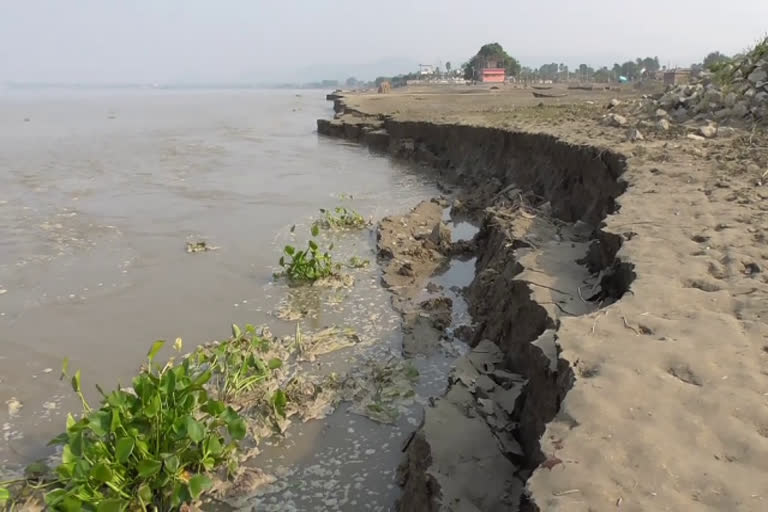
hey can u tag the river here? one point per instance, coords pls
(101, 190)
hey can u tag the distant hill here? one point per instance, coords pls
(341, 71)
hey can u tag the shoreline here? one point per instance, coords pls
(551, 279)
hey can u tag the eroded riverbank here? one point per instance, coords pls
(540, 201)
(562, 241)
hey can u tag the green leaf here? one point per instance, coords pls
(101, 473)
(124, 448)
(64, 368)
(289, 250)
(198, 484)
(213, 445)
(169, 382)
(115, 423)
(153, 407)
(180, 495)
(76, 381)
(70, 421)
(5, 495)
(236, 331)
(313, 245)
(237, 428)
(214, 407)
(172, 464)
(145, 493)
(99, 422)
(194, 429)
(281, 261)
(70, 504)
(154, 349)
(36, 470)
(275, 363)
(54, 496)
(280, 400)
(113, 505)
(202, 378)
(315, 230)
(148, 467)
(59, 440)
(67, 456)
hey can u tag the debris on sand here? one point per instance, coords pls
(14, 406)
(238, 489)
(325, 341)
(381, 391)
(199, 246)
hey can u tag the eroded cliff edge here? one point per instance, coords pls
(523, 187)
(642, 400)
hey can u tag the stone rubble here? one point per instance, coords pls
(736, 93)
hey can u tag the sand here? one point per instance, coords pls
(669, 405)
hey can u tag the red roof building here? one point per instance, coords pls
(493, 75)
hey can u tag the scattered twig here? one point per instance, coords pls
(626, 324)
(597, 317)
(578, 290)
(569, 491)
(559, 307)
(545, 286)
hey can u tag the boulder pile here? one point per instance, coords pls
(737, 92)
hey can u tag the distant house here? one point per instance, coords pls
(426, 69)
(677, 76)
(493, 75)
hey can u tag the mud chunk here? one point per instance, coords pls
(615, 120)
(634, 135)
(464, 332)
(406, 269)
(709, 131)
(440, 237)
(439, 309)
(433, 287)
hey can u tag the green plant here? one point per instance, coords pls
(310, 264)
(340, 218)
(235, 364)
(356, 262)
(145, 448)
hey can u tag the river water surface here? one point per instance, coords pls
(100, 191)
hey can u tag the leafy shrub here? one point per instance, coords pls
(236, 365)
(308, 265)
(340, 218)
(148, 447)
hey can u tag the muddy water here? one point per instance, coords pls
(100, 191)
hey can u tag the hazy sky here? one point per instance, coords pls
(230, 40)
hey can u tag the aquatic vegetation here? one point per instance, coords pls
(310, 264)
(235, 364)
(340, 218)
(199, 246)
(155, 445)
(146, 447)
(357, 262)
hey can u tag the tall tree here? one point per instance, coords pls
(714, 60)
(448, 67)
(491, 53)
